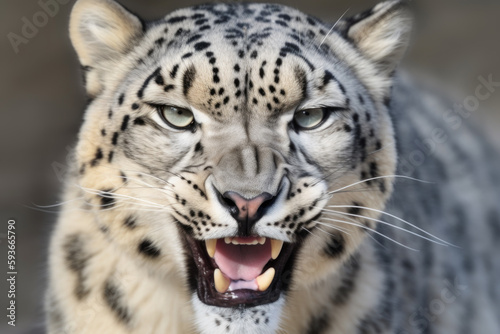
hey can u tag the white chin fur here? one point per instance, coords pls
(263, 319)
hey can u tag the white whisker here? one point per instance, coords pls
(343, 214)
(368, 229)
(380, 177)
(443, 242)
(333, 27)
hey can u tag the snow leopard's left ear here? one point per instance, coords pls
(102, 31)
(382, 33)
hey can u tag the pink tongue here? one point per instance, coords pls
(242, 261)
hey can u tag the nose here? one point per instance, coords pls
(246, 211)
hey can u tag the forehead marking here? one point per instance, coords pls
(140, 93)
(187, 80)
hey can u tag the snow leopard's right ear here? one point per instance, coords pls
(102, 31)
(382, 33)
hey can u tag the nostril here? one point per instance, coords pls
(246, 211)
(266, 205)
(228, 203)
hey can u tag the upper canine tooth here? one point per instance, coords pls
(221, 282)
(276, 246)
(210, 244)
(264, 280)
(262, 240)
(227, 240)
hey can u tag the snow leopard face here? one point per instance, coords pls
(232, 148)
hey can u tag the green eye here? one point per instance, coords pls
(308, 119)
(178, 118)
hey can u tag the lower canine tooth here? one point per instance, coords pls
(276, 246)
(221, 281)
(211, 243)
(264, 280)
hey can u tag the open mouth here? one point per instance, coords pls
(240, 271)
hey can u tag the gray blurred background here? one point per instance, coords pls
(42, 104)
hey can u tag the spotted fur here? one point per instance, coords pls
(118, 258)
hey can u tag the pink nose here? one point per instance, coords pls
(247, 208)
(246, 211)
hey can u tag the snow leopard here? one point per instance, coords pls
(247, 168)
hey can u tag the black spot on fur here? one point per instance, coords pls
(327, 77)
(124, 125)
(387, 101)
(159, 80)
(160, 41)
(335, 246)
(114, 140)
(140, 93)
(123, 177)
(342, 88)
(98, 156)
(361, 99)
(198, 147)
(193, 38)
(107, 199)
(129, 222)
(120, 99)
(177, 19)
(76, 258)
(114, 298)
(187, 80)
(201, 46)
(348, 281)
(381, 186)
(355, 210)
(373, 169)
(318, 323)
(173, 73)
(139, 121)
(147, 248)
(301, 78)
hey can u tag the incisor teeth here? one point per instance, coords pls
(211, 243)
(227, 240)
(264, 280)
(221, 282)
(276, 246)
(262, 240)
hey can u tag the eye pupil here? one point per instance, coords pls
(309, 118)
(177, 118)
